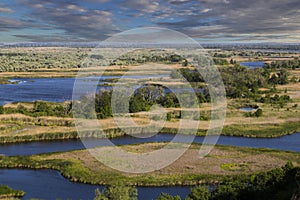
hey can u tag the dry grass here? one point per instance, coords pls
(190, 163)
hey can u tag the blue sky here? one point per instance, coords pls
(203, 20)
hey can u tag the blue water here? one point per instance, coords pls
(50, 184)
(247, 109)
(49, 89)
(287, 143)
(252, 65)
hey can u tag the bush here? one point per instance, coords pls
(117, 192)
(164, 196)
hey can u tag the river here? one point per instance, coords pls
(287, 143)
(49, 184)
(49, 89)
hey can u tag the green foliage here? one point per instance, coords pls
(169, 116)
(242, 82)
(30, 61)
(199, 193)
(239, 81)
(286, 64)
(281, 101)
(280, 77)
(103, 104)
(6, 191)
(232, 62)
(189, 75)
(169, 100)
(280, 183)
(41, 108)
(1, 109)
(233, 166)
(138, 103)
(142, 100)
(99, 195)
(257, 113)
(117, 192)
(165, 196)
(221, 55)
(149, 56)
(219, 61)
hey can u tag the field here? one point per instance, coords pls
(272, 93)
(187, 170)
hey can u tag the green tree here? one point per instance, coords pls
(99, 195)
(1, 109)
(138, 103)
(258, 112)
(117, 192)
(199, 193)
(165, 196)
(103, 104)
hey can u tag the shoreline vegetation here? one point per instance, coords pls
(272, 91)
(37, 121)
(271, 131)
(80, 166)
(9, 193)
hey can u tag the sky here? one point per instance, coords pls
(207, 21)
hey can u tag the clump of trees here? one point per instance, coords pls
(41, 108)
(280, 183)
(257, 113)
(286, 64)
(21, 61)
(190, 75)
(8, 193)
(142, 100)
(239, 81)
(280, 77)
(117, 192)
(219, 61)
(281, 101)
(149, 56)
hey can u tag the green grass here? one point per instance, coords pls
(78, 171)
(262, 131)
(233, 166)
(7, 192)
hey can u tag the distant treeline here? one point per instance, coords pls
(286, 64)
(40, 108)
(135, 58)
(142, 100)
(241, 82)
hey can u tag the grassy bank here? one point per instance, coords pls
(9, 193)
(270, 130)
(81, 166)
(245, 130)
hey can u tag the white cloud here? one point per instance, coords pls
(206, 10)
(7, 10)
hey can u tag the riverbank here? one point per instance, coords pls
(81, 166)
(25, 133)
(9, 193)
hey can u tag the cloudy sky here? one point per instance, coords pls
(203, 20)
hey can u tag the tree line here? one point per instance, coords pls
(142, 100)
(277, 184)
